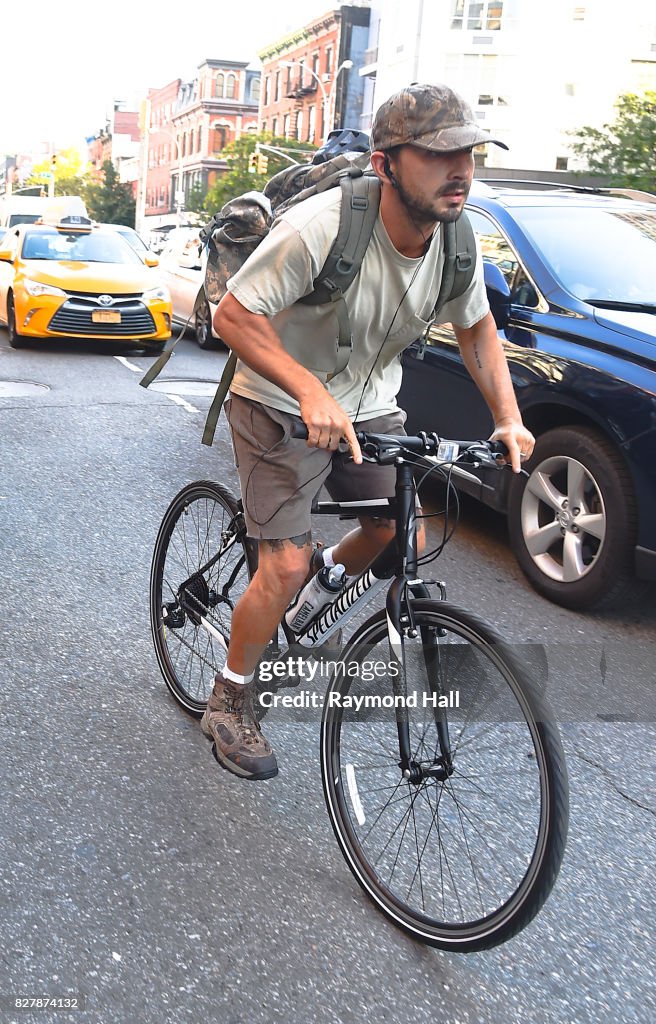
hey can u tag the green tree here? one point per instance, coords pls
(625, 150)
(71, 173)
(110, 201)
(241, 178)
(195, 205)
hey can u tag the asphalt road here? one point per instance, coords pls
(138, 875)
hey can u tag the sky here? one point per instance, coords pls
(64, 62)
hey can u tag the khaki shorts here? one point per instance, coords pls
(280, 475)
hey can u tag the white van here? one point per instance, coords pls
(28, 209)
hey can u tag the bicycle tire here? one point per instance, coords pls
(203, 518)
(517, 745)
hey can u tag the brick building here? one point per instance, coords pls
(119, 142)
(307, 88)
(189, 126)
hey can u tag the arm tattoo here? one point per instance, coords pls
(477, 358)
(300, 541)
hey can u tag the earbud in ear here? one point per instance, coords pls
(389, 173)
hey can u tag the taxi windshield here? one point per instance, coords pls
(95, 247)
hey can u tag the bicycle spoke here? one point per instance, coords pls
(446, 843)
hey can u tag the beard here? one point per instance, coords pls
(423, 212)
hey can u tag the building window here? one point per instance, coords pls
(191, 141)
(329, 59)
(200, 137)
(315, 63)
(299, 126)
(264, 127)
(474, 15)
(255, 90)
(274, 126)
(288, 87)
(312, 121)
(267, 90)
(287, 125)
(276, 95)
(561, 163)
(220, 85)
(230, 87)
(219, 137)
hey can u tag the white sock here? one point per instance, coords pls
(235, 677)
(328, 556)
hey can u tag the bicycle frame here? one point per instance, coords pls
(398, 563)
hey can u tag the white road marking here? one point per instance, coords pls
(130, 366)
(180, 401)
(174, 398)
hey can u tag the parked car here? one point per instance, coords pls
(180, 265)
(571, 278)
(132, 237)
(76, 279)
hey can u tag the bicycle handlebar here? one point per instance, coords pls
(386, 447)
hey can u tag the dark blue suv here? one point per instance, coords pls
(571, 277)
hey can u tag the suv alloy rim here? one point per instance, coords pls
(563, 519)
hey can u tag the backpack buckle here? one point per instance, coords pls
(359, 203)
(343, 266)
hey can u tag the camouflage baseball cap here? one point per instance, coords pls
(430, 116)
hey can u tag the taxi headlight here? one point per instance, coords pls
(37, 288)
(159, 294)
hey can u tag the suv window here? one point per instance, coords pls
(496, 248)
(596, 253)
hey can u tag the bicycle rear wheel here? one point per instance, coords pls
(202, 563)
(462, 858)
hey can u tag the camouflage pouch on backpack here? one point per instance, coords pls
(230, 238)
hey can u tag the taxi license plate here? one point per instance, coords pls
(106, 316)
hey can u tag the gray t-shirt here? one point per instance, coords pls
(389, 303)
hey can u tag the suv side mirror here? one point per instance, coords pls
(498, 293)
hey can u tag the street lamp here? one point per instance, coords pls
(327, 98)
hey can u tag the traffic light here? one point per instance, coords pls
(262, 163)
(253, 162)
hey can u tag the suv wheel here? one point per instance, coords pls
(573, 521)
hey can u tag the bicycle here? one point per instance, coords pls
(451, 814)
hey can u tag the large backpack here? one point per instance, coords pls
(234, 233)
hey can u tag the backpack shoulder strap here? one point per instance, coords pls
(358, 213)
(219, 398)
(465, 246)
(459, 261)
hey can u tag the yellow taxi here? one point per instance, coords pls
(77, 279)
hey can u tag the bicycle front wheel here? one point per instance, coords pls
(462, 850)
(201, 566)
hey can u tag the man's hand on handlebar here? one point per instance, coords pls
(518, 440)
(327, 424)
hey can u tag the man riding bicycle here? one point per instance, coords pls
(422, 153)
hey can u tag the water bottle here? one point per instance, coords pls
(315, 595)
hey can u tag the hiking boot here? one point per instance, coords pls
(239, 744)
